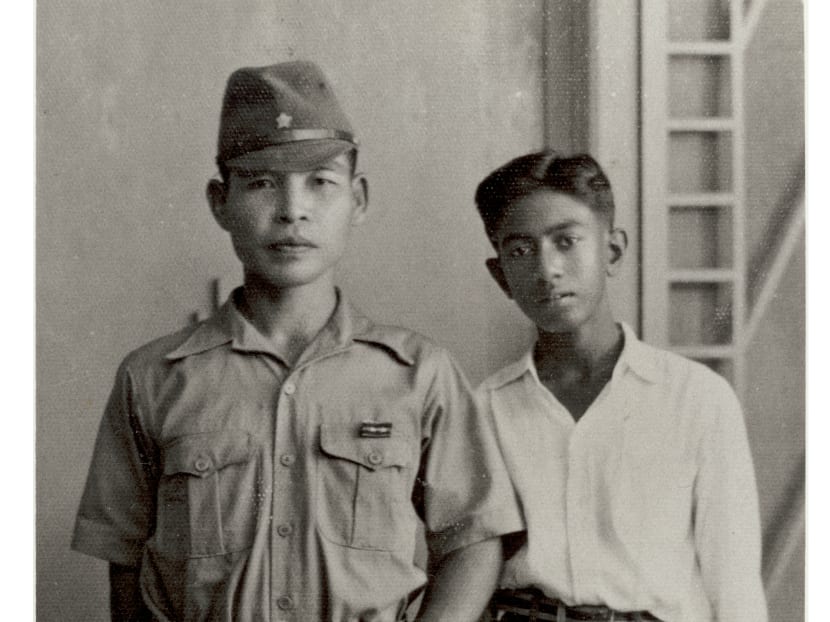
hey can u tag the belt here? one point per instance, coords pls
(533, 605)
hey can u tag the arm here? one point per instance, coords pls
(125, 595)
(727, 523)
(118, 503)
(465, 499)
(462, 583)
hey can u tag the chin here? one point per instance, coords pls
(287, 279)
(558, 325)
(556, 329)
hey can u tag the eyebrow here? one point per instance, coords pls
(332, 165)
(253, 172)
(515, 237)
(559, 227)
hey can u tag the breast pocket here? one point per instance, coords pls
(364, 489)
(208, 495)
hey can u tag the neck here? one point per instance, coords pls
(589, 352)
(289, 316)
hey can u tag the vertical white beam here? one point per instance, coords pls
(737, 62)
(565, 67)
(655, 172)
(613, 132)
(751, 20)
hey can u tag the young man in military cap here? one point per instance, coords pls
(272, 462)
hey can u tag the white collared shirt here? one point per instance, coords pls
(648, 503)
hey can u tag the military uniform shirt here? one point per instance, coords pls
(247, 490)
(647, 503)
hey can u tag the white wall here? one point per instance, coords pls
(127, 109)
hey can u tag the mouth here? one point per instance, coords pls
(291, 245)
(554, 297)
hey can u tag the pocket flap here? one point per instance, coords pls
(203, 454)
(373, 453)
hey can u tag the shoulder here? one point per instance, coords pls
(140, 374)
(504, 376)
(664, 367)
(679, 404)
(407, 345)
(690, 394)
(692, 375)
(430, 367)
(153, 354)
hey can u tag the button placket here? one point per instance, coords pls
(286, 456)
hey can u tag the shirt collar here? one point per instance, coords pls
(513, 372)
(346, 325)
(636, 356)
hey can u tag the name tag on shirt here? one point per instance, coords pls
(375, 429)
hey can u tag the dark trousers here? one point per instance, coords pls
(532, 605)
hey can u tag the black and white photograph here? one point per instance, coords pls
(469, 310)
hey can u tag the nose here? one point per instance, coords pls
(551, 262)
(293, 203)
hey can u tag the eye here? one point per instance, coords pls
(566, 241)
(322, 180)
(260, 183)
(519, 250)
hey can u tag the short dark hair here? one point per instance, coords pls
(579, 176)
(224, 171)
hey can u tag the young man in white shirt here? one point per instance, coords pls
(631, 463)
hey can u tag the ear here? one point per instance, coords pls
(360, 198)
(617, 245)
(216, 193)
(494, 267)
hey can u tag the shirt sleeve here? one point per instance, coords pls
(727, 522)
(466, 494)
(118, 503)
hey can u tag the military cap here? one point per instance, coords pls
(286, 115)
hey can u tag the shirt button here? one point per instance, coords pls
(375, 458)
(289, 388)
(285, 603)
(286, 460)
(285, 530)
(202, 464)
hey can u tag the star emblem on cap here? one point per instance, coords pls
(284, 120)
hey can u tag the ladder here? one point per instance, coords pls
(694, 256)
